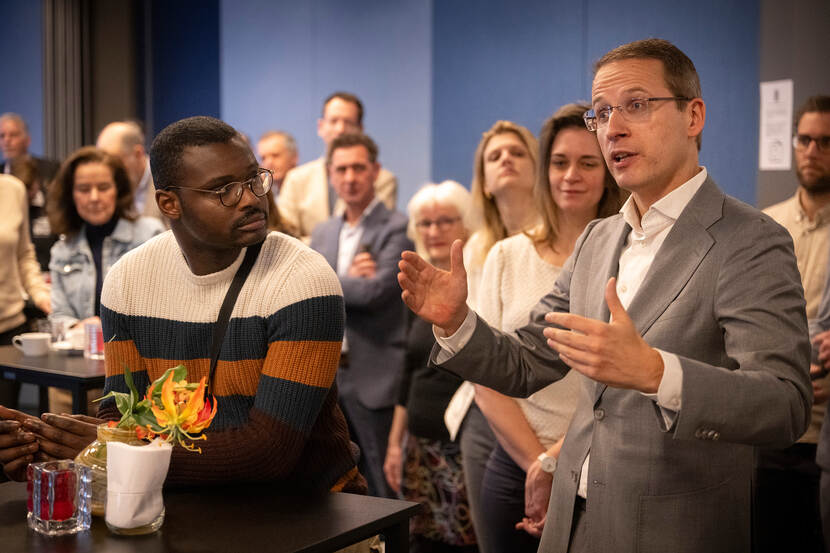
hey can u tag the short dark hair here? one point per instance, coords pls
(678, 70)
(60, 206)
(353, 139)
(818, 103)
(166, 150)
(346, 97)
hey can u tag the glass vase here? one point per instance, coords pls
(94, 456)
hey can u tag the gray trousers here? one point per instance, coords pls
(477, 442)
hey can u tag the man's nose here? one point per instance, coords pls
(617, 125)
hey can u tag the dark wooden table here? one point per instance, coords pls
(232, 519)
(71, 372)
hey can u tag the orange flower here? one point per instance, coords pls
(183, 412)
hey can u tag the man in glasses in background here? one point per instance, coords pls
(363, 246)
(307, 197)
(278, 419)
(787, 484)
(686, 315)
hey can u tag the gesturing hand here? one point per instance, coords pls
(435, 295)
(612, 353)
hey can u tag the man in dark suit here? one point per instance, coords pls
(686, 315)
(363, 246)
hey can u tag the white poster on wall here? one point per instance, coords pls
(774, 148)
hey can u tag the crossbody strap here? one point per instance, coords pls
(221, 325)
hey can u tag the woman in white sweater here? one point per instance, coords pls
(573, 187)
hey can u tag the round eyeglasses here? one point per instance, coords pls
(231, 193)
(633, 109)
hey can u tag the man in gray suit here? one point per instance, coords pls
(686, 315)
(363, 246)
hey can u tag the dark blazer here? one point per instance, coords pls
(375, 314)
(723, 294)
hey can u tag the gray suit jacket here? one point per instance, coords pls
(375, 314)
(724, 295)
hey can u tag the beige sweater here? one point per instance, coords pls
(514, 279)
(19, 269)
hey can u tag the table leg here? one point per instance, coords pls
(79, 401)
(397, 537)
(43, 399)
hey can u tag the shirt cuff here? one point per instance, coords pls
(450, 345)
(670, 390)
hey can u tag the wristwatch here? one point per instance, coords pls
(548, 462)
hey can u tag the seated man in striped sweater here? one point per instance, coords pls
(278, 418)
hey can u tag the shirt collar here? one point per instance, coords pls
(369, 208)
(667, 209)
(822, 215)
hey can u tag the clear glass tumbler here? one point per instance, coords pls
(59, 497)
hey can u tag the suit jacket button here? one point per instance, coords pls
(599, 414)
(716, 435)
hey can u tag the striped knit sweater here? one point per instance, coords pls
(278, 417)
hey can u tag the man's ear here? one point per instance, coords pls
(169, 204)
(697, 119)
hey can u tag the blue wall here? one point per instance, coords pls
(185, 60)
(492, 61)
(22, 88)
(279, 60)
(433, 74)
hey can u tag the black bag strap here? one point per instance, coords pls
(221, 325)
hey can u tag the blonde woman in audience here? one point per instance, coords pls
(574, 187)
(19, 272)
(422, 464)
(90, 206)
(504, 171)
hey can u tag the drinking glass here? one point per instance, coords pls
(59, 497)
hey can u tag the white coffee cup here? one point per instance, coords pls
(33, 344)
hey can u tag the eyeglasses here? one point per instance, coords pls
(443, 223)
(231, 193)
(802, 142)
(634, 109)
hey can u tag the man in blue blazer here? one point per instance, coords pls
(363, 246)
(686, 315)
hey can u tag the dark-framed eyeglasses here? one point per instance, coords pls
(633, 109)
(443, 223)
(802, 142)
(231, 193)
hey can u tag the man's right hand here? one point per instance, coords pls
(439, 297)
(17, 447)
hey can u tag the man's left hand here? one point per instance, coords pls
(612, 353)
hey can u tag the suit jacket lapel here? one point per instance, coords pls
(372, 225)
(602, 268)
(331, 244)
(674, 264)
(678, 257)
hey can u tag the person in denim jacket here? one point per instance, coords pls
(91, 208)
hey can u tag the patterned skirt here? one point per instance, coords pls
(432, 476)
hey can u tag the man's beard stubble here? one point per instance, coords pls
(815, 187)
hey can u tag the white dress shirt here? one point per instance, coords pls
(641, 246)
(348, 246)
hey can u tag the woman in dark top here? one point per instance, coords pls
(422, 463)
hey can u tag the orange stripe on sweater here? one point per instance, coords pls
(309, 362)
